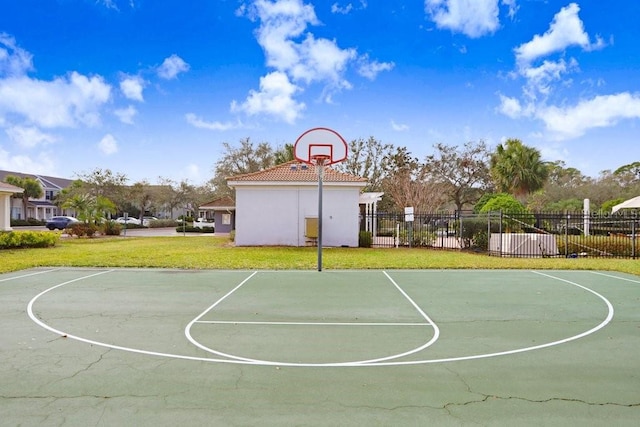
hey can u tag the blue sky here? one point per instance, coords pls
(152, 88)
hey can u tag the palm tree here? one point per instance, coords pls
(518, 169)
(31, 187)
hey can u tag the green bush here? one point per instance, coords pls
(420, 237)
(27, 222)
(27, 239)
(192, 229)
(613, 246)
(162, 223)
(82, 229)
(474, 232)
(111, 228)
(365, 239)
(386, 227)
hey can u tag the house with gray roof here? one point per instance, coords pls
(7, 191)
(42, 208)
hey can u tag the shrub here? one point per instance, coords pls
(419, 237)
(192, 229)
(162, 223)
(386, 227)
(82, 229)
(365, 239)
(27, 239)
(111, 228)
(26, 222)
(474, 232)
(613, 246)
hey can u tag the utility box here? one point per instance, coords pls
(523, 245)
(311, 227)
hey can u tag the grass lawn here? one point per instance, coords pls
(219, 253)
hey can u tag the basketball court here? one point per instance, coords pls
(356, 347)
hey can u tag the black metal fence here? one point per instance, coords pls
(541, 234)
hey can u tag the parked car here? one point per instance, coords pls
(128, 220)
(203, 222)
(147, 219)
(60, 222)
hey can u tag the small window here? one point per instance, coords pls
(226, 219)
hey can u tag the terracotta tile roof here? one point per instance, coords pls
(295, 171)
(221, 203)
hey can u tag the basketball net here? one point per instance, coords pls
(319, 161)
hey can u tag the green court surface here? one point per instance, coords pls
(140, 347)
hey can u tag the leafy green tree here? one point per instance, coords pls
(463, 175)
(482, 201)
(609, 204)
(518, 169)
(141, 196)
(631, 169)
(370, 159)
(284, 154)
(241, 159)
(515, 213)
(31, 189)
(89, 208)
(567, 205)
(405, 186)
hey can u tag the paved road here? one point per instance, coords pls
(137, 232)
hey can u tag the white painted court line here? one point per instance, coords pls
(615, 277)
(280, 363)
(236, 322)
(602, 324)
(27, 275)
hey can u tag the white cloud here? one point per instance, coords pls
(29, 137)
(172, 66)
(298, 58)
(540, 79)
(126, 115)
(198, 122)
(513, 7)
(62, 102)
(474, 18)
(132, 87)
(399, 127)
(274, 98)
(371, 69)
(510, 107)
(565, 30)
(343, 10)
(110, 4)
(108, 145)
(600, 111)
(42, 164)
(14, 61)
(544, 81)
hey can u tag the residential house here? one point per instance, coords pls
(279, 206)
(222, 211)
(42, 208)
(7, 191)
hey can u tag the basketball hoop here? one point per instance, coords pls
(320, 161)
(320, 147)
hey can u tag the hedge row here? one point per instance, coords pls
(27, 239)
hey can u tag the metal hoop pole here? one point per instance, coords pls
(320, 167)
(319, 162)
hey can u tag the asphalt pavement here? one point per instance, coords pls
(135, 232)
